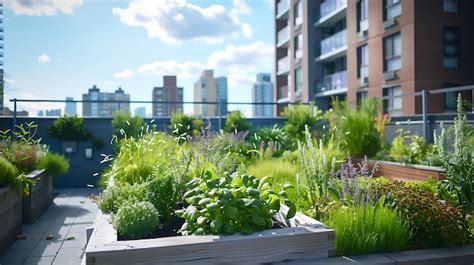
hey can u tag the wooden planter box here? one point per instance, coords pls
(306, 239)
(406, 172)
(10, 217)
(40, 196)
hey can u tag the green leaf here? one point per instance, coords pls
(216, 225)
(212, 206)
(291, 209)
(231, 212)
(258, 220)
(246, 229)
(334, 194)
(236, 182)
(229, 229)
(274, 202)
(204, 201)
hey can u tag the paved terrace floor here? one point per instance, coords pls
(66, 220)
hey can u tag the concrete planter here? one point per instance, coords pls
(304, 240)
(406, 172)
(40, 196)
(10, 217)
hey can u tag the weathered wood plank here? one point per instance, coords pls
(293, 243)
(406, 172)
(10, 217)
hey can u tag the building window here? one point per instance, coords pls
(451, 48)
(298, 81)
(362, 15)
(363, 61)
(361, 96)
(299, 46)
(393, 105)
(450, 6)
(392, 52)
(298, 12)
(392, 9)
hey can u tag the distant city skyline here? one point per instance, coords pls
(59, 50)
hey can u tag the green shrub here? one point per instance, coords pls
(8, 172)
(184, 126)
(69, 128)
(434, 222)
(299, 117)
(115, 196)
(235, 122)
(136, 220)
(226, 205)
(54, 164)
(355, 128)
(364, 229)
(23, 156)
(161, 192)
(409, 148)
(126, 126)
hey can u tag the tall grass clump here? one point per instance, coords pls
(126, 126)
(281, 172)
(54, 164)
(365, 228)
(356, 128)
(299, 117)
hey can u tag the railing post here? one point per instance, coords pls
(219, 113)
(426, 125)
(14, 114)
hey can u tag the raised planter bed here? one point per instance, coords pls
(406, 172)
(10, 217)
(305, 239)
(40, 196)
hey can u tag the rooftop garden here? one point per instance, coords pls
(238, 181)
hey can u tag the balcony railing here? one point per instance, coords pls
(334, 42)
(330, 5)
(333, 82)
(283, 65)
(282, 7)
(283, 36)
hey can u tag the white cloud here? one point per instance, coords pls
(174, 21)
(240, 7)
(241, 56)
(42, 7)
(9, 81)
(31, 107)
(43, 58)
(127, 73)
(171, 67)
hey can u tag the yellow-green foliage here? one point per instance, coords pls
(281, 171)
(54, 164)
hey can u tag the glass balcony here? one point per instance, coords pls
(333, 82)
(282, 92)
(334, 42)
(282, 7)
(284, 65)
(283, 36)
(330, 5)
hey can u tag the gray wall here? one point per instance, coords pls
(83, 170)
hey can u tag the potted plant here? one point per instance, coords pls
(70, 130)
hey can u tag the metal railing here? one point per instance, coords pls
(333, 81)
(282, 7)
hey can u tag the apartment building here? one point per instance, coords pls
(210, 89)
(262, 92)
(377, 48)
(71, 107)
(2, 77)
(111, 102)
(169, 92)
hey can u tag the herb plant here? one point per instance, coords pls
(227, 205)
(459, 164)
(299, 117)
(54, 164)
(136, 220)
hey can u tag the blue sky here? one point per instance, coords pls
(59, 48)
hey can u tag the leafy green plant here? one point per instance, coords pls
(409, 148)
(459, 164)
(126, 126)
(161, 192)
(366, 228)
(54, 164)
(235, 122)
(434, 222)
(226, 205)
(136, 220)
(8, 172)
(184, 126)
(69, 128)
(355, 128)
(299, 117)
(273, 140)
(115, 196)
